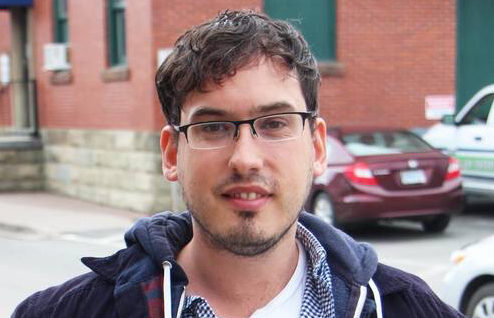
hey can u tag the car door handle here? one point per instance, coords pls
(477, 138)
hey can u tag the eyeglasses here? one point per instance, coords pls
(269, 128)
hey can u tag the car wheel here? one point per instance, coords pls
(481, 304)
(437, 223)
(323, 208)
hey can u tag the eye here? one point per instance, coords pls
(214, 129)
(273, 123)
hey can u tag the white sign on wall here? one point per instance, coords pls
(4, 69)
(436, 106)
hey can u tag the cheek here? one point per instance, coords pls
(296, 162)
(196, 169)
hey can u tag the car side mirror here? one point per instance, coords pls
(448, 120)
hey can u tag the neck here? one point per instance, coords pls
(237, 285)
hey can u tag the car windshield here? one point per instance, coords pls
(383, 143)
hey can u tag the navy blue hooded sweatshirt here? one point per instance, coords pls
(130, 282)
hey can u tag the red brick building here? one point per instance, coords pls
(99, 118)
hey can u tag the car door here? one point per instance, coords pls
(475, 147)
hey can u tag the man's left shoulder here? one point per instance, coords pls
(404, 292)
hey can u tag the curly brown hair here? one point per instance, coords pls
(216, 49)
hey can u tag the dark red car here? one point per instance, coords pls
(376, 174)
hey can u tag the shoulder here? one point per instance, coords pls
(82, 295)
(402, 292)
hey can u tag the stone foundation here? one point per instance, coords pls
(116, 168)
(21, 165)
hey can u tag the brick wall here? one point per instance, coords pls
(5, 31)
(5, 91)
(394, 53)
(88, 101)
(5, 107)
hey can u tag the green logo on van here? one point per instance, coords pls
(476, 164)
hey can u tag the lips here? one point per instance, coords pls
(246, 192)
(247, 197)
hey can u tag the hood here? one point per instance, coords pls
(163, 236)
(354, 261)
(150, 242)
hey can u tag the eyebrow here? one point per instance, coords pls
(205, 111)
(270, 108)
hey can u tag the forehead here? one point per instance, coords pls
(258, 88)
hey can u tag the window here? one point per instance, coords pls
(316, 22)
(117, 54)
(60, 21)
(479, 113)
(383, 143)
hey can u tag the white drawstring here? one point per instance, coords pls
(181, 304)
(377, 298)
(360, 302)
(167, 294)
(363, 296)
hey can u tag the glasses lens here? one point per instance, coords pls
(279, 127)
(211, 135)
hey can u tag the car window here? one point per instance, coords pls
(383, 143)
(336, 153)
(479, 113)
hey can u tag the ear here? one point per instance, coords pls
(168, 154)
(319, 144)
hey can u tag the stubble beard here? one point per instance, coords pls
(244, 239)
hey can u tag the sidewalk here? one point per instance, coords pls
(51, 215)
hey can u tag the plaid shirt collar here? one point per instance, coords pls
(318, 297)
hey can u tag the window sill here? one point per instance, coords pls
(330, 68)
(116, 74)
(61, 77)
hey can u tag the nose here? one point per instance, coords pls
(246, 155)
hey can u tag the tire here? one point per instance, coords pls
(323, 208)
(481, 304)
(436, 224)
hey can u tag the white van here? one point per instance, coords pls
(469, 136)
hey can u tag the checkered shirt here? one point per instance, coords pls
(318, 298)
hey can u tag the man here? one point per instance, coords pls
(244, 141)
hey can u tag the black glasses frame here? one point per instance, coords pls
(183, 129)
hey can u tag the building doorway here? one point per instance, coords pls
(475, 44)
(17, 76)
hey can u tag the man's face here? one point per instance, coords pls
(246, 196)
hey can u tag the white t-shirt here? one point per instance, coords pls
(288, 303)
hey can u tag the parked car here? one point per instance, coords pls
(469, 135)
(469, 285)
(380, 173)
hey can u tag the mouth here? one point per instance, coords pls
(244, 195)
(247, 198)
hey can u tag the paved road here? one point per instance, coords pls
(406, 246)
(31, 262)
